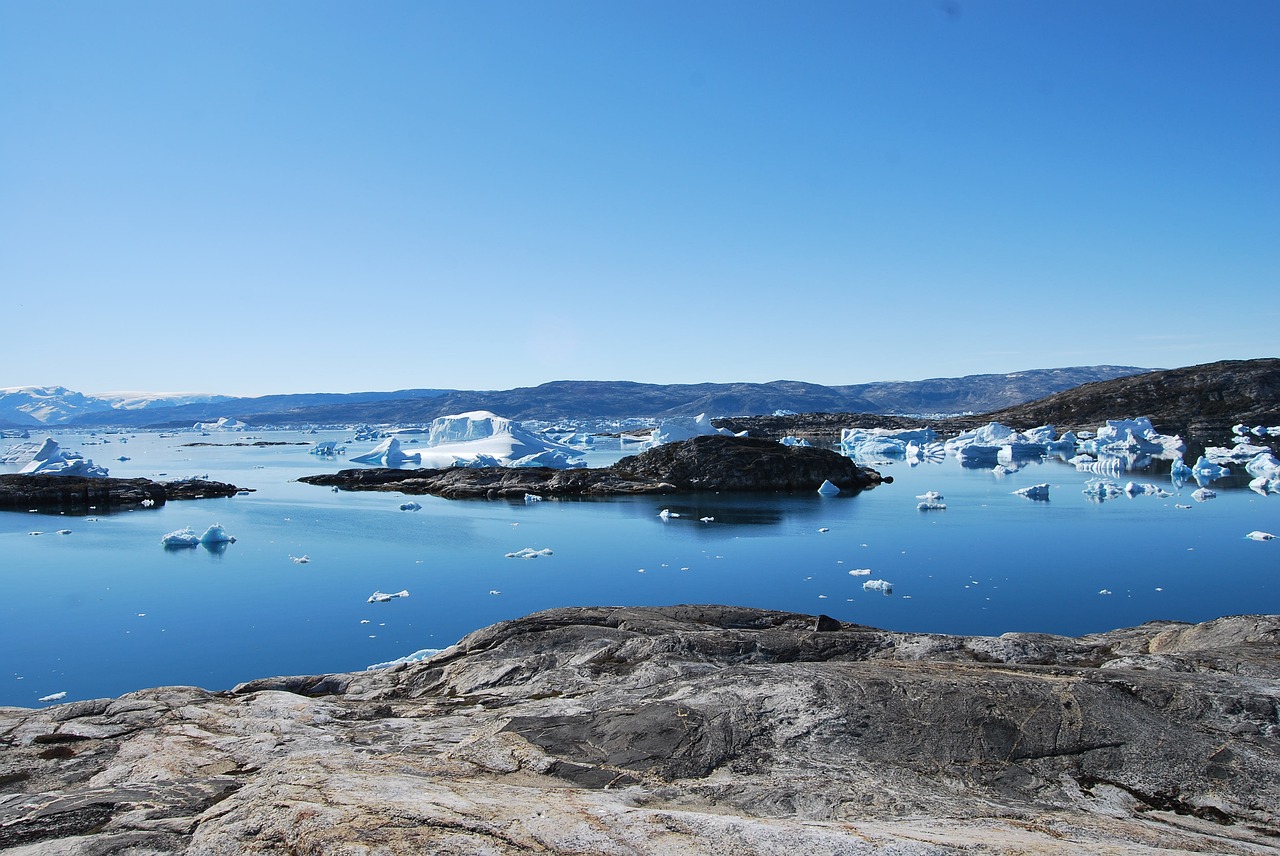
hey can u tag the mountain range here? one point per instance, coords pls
(32, 407)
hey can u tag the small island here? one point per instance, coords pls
(81, 494)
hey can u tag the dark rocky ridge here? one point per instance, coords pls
(77, 495)
(709, 463)
(685, 729)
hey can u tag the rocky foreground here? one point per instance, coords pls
(78, 495)
(694, 729)
(708, 463)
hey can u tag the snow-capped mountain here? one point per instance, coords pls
(57, 405)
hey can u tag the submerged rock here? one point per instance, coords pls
(686, 729)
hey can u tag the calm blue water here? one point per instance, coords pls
(106, 609)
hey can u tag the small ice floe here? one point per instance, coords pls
(1105, 591)
(1206, 470)
(181, 538)
(1036, 491)
(411, 506)
(827, 488)
(123, 458)
(1204, 494)
(1180, 505)
(215, 534)
(882, 586)
(860, 572)
(1257, 535)
(53, 697)
(1101, 489)
(824, 529)
(300, 560)
(494, 591)
(532, 497)
(930, 496)
(35, 532)
(667, 514)
(529, 553)
(707, 519)
(383, 597)
(1002, 470)
(926, 505)
(148, 503)
(1145, 489)
(64, 531)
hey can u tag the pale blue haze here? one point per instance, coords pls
(249, 197)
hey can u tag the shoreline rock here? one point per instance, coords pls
(705, 463)
(79, 495)
(684, 729)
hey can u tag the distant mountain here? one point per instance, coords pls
(561, 400)
(1200, 401)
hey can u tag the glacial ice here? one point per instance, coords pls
(1205, 470)
(1038, 492)
(1257, 535)
(186, 537)
(882, 586)
(411, 506)
(215, 534)
(327, 448)
(683, 428)
(383, 597)
(48, 458)
(53, 697)
(1101, 489)
(529, 553)
(1204, 494)
(225, 423)
(416, 657)
(387, 454)
(794, 441)
(1237, 453)
(827, 488)
(931, 506)
(1264, 464)
(479, 438)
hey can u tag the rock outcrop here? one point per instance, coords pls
(707, 463)
(77, 495)
(693, 729)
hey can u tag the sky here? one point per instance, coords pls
(285, 196)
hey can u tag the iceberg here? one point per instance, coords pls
(479, 438)
(827, 488)
(684, 428)
(1264, 485)
(1204, 494)
(1263, 464)
(882, 586)
(215, 534)
(225, 423)
(388, 454)
(1101, 489)
(416, 657)
(327, 448)
(529, 553)
(53, 697)
(1038, 492)
(411, 506)
(1205, 470)
(794, 441)
(383, 597)
(48, 458)
(1237, 453)
(181, 538)
(1256, 535)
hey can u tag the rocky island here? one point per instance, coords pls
(79, 494)
(684, 729)
(705, 463)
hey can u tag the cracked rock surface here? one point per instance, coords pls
(687, 729)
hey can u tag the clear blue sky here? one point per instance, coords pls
(259, 197)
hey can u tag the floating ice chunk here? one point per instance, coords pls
(827, 488)
(388, 454)
(383, 597)
(1179, 472)
(1207, 470)
(1256, 535)
(860, 572)
(181, 538)
(532, 497)
(824, 529)
(794, 441)
(930, 496)
(1101, 489)
(224, 423)
(1204, 494)
(300, 560)
(707, 519)
(1003, 470)
(64, 531)
(48, 458)
(415, 657)
(1263, 464)
(53, 697)
(411, 506)
(327, 448)
(1264, 485)
(1180, 505)
(683, 428)
(1105, 591)
(1144, 489)
(667, 514)
(529, 553)
(882, 586)
(931, 506)
(1035, 491)
(1239, 452)
(215, 534)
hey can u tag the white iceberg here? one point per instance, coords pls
(882, 586)
(410, 506)
(930, 496)
(1036, 491)
(1237, 453)
(1101, 489)
(1257, 535)
(1263, 464)
(383, 597)
(1264, 485)
(794, 441)
(215, 534)
(827, 488)
(483, 439)
(48, 458)
(416, 657)
(327, 448)
(1205, 470)
(181, 538)
(388, 454)
(684, 428)
(529, 553)
(1204, 494)
(53, 697)
(225, 423)
(931, 506)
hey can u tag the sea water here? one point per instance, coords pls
(106, 609)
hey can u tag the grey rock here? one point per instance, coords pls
(687, 729)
